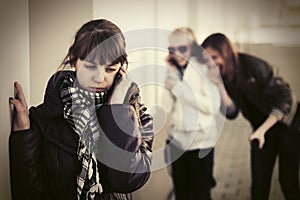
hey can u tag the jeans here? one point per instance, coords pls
(192, 176)
(282, 142)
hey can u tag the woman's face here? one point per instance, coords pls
(180, 48)
(94, 77)
(217, 58)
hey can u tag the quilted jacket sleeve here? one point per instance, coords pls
(126, 147)
(25, 163)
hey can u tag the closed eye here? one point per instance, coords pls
(110, 69)
(91, 67)
(214, 57)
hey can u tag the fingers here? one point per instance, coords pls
(261, 143)
(251, 138)
(20, 93)
(21, 119)
(261, 140)
(170, 64)
(19, 100)
(134, 116)
(168, 58)
(124, 73)
(19, 107)
(120, 90)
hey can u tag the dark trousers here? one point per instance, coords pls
(192, 176)
(281, 142)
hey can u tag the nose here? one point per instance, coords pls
(98, 76)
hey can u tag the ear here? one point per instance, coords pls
(125, 64)
(120, 66)
(76, 64)
(72, 63)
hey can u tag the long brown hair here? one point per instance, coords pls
(223, 45)
(99, 39)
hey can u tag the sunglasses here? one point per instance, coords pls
(181, 49)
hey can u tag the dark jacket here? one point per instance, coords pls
(44, 162)
(257, 92)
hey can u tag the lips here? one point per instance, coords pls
(96, 89)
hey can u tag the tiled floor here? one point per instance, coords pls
(232, 169)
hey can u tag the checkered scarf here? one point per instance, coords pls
(79, 111)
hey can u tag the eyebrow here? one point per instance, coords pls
(90, 62)
(108, 65)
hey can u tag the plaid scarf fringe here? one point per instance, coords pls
(79, 111)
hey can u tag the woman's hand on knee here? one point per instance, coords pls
(258, 135)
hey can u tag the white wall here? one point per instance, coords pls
(53, 25)
(14, 65)
(258, 21)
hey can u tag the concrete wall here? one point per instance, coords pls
(52, 26)
(14, 65)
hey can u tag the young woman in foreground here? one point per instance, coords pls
(91, 137)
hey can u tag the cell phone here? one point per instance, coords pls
(116, 81)
(174, 62)
(117, 78)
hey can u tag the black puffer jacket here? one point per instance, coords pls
(43, 159)
(257, 92)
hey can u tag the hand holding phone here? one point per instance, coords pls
(176, 65)
(121, 84)
(174, 62)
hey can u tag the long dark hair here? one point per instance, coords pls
(100, 39)
(223, 45)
